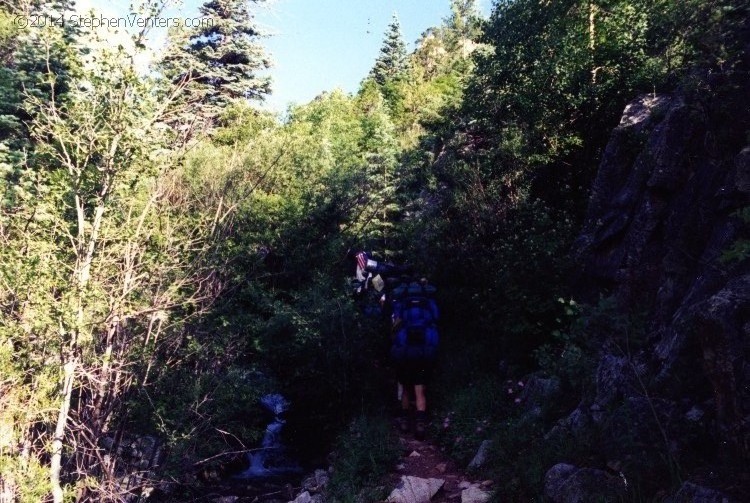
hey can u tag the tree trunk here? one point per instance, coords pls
(62, 421)
(592, 26)
(592, 39)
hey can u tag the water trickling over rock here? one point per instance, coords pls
(271, 460)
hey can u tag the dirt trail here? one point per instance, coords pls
(424, 459)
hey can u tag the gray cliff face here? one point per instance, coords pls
(663, 214)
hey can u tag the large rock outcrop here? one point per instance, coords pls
(667, 215)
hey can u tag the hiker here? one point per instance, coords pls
(413, 349)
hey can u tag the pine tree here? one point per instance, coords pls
(379, 147)
(50, 52)
(392, 61)
(219, 61)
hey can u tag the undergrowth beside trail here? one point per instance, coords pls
(363, 455)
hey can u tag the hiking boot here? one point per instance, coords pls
(419, 430)
(420, 426)
(403, 423)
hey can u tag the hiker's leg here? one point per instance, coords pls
(403, 415)
(406, 397)
(419, 391)
(420, 424)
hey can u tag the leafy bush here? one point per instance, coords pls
(570, 354)
(464, 417)
(363, 456)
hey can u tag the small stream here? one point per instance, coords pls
(271, 460)
(270, 470)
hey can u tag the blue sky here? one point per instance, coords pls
(320, 45)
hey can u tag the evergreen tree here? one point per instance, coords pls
(48, 58)
(380, 149)
(218, 61)
(392, 61)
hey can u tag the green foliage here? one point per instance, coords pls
(504, 275)
(363, 456)
(379, 149)
(27, 393)
(463, 26)
(293, 196)
(570, 353)
(464, 414)
(10, 99)
(100, 266)
(49, 59)
(419, 98)
(711, 34)
(436, 74)
(560, 76)
(28, 477)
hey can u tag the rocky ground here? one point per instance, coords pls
(426, 474)
(423, 475)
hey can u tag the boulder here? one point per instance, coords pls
(481, 456)
(304, 497)
(316, 482)
(475, 494)
(574, 424)
(564, 483)
(415, 490)
(611, 379)
(692, 493)
(537, 394)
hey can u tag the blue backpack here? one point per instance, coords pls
(417, 336)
